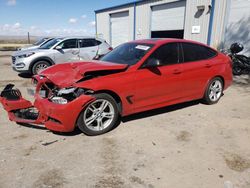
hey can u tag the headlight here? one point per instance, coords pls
(59, 100)
(66, 91)
(65, 95)
(26, 55)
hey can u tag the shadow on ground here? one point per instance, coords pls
(25, 75)
(41, 127)
(159, 111)
(124, 119)
(242, 80)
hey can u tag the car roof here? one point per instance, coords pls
(77, 37)
(159, 41)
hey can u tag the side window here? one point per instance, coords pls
(194, 52)
(67, 44)
(98, 42)
(166, 54)
(84, 43)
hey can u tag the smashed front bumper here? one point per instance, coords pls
(55, 117)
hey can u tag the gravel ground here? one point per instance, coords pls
(187, 145)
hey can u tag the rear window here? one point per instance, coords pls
(195, 52)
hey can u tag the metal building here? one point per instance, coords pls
(213, 22)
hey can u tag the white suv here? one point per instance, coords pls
(59, 50)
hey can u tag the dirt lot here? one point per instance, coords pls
(184, 146)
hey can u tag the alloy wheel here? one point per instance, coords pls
(41, 67)
(99, 115)
(215, 90)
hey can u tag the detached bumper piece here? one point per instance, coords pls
(19, 109)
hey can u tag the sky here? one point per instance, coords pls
(51, 17)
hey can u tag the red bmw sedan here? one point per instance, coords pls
(134, 77)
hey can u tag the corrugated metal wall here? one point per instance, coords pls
(103, 22)
(193, 17)
(238, 24)
(219, 21)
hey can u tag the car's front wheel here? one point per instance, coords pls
(100, 116)
(39, 66)
(214, 91)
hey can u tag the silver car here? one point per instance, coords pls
(59, 50)
(37, 44)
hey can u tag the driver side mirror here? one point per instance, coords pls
(151, 63)
(58, 48)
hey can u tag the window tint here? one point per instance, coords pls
(40, 41)
(98, 42)
(71, 43)
(194, 52)
(88, 43)
(51, 43)
(166, 54)
(128, 53)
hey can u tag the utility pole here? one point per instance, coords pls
(28, 37)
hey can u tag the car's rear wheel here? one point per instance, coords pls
(39, 66)
(214, 91)
(100, 116)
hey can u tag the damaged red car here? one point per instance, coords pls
(134, 77)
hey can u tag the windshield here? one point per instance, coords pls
(128, 53)
(49, 44)
(40, 41)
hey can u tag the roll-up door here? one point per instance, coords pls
(168, 20)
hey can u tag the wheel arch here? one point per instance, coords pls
(209, 80)
(115, 96)
(44, 58)
(221, 77)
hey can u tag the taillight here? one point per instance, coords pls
(110, 48)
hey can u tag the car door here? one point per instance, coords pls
(88, 49)
(69, 51)
(198, 66)
(156, 85)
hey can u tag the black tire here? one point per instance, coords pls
(237, 70)
(81, 119)
(35, 67)
(207, 99)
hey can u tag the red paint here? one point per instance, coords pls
(64, 75)
(147, 88)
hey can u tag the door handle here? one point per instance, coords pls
(208, 65)
(177, 71)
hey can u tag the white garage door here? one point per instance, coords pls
(119, 28)
(238, 25)
(168, 16)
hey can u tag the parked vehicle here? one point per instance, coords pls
(134, 77)
(37, 44)
(59, 50)
(241, 63)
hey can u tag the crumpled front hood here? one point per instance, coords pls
(67, 74)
